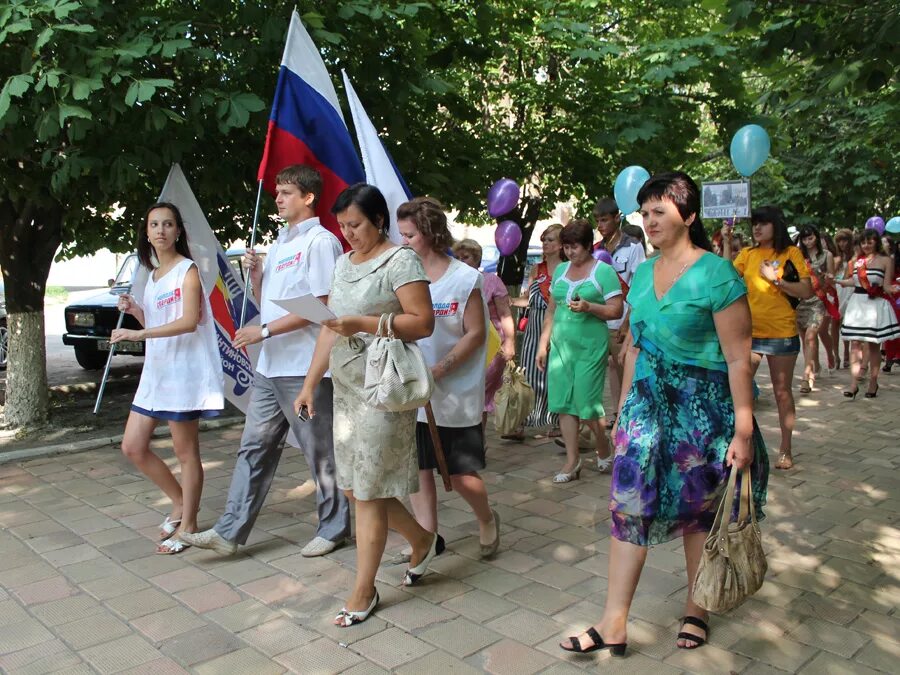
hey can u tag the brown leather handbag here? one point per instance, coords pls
(733, 565)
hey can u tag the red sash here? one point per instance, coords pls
(872, 290)
(827, 294)
(542, 276)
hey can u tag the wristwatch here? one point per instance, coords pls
(265, 332)
(777, 282)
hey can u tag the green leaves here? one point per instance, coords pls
(234, 111)
(16, 85)
(140, 91)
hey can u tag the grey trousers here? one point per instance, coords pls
(269, 416)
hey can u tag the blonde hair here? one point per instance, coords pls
(469, 246)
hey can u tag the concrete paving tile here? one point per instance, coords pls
(115, 585)
(212, 596)
(479, 606)
(709, 659)
(525, 626)
(34, 570)
(874, 624)
(459, 636)
(273, 589)
(776, 651)
(201, 645)
(242, 661)
(168, 623)
(277, 636)
(23, 634)
(182, 579)
(542, 598)
(242, 615)
(391, 648)
(114, 535)
(91, 570)
(161, 666)
(497, 581)
(150, 564)
(92, 630)
(134, 605)
(414, 613)
(515, 562)
(557, 575)
(52, 542)
(880, 654)
(824, 635)
(508, 657)
(66, 610)
(829, 664)
(71, 555)
(38, 528)
(241, 571)
(45, 590)
(321, 657)
(120, 654)
(11, 612)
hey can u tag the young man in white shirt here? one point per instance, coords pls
(301, 261)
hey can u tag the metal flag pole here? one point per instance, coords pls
(112, 351)
(252, 248)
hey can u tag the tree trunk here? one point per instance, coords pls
(29, 237)
(511, 268)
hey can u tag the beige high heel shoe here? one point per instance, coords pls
(567, 477)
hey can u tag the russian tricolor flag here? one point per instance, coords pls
(306, 125)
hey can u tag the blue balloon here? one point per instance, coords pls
(893, 225)
(750, 149)
(628, 184)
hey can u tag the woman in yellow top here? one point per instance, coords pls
(764, 266)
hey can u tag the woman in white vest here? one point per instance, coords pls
(182, 378)
(456, 353)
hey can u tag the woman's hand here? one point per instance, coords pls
(508, 350)
(304, 400)
(768, 271)
(541, 358)
(344, 325)
(127, 304)
(580, 306)
(739, 454)
(127, 334)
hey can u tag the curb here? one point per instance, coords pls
(102, 442)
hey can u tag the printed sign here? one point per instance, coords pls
(726, 199)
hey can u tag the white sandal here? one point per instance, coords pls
(171, 547)
(169, 526)
(347, 618)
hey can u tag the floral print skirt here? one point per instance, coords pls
(669, 471)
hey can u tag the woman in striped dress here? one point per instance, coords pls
(538, 298)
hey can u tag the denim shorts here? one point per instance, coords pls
(776, 346)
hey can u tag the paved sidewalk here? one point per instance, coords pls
(82, 591)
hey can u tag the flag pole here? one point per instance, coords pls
(252, 247)
(112, 351)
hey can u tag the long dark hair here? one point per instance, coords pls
(781, 239)
(872, 235)
(680, 189)
(145, 248)
(805, 231)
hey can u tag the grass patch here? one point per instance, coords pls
(56, 294)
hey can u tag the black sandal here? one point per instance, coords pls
(617, 649)
(684, 635)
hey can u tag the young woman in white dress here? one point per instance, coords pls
(182, 378)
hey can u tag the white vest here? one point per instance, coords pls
(458, 398)
(183, 372)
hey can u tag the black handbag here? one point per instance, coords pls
(792, 275)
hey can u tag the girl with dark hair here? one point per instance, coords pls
(181, 341)
(869, 318)
(846, 245)
(777, 277)
(811, 313)
(374, 450)
(686, 412)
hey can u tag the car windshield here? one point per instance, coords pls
(126, 272)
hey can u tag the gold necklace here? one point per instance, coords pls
(676, 278)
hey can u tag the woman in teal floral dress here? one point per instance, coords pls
(687, 409)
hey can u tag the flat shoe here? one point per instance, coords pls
(347, 618)
(617, 649)
(169, 526)
(171, 546)
(490, 550)
(319, 546)
(413, 574)
(404, 556)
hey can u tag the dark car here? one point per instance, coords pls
(90, 322)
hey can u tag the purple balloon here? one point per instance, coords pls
(603, 255)
(507, 237)
(875, 223)
(502, 197)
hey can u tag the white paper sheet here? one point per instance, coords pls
(307, 307)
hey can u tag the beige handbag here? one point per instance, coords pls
(513, 401)
(397, 376)
(733, 565)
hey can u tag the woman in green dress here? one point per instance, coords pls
(584, 295)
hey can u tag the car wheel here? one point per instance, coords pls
(4, 343)
(90, 360)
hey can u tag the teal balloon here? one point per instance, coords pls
(893, 225)
(628, 183)
(750, 149)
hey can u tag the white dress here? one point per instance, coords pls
(866, 318)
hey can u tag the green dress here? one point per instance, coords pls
(579, 343)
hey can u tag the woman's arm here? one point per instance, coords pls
(630, 352)
(612, 309)
(192, 295)
(501, 304)
(733, 330)
(474, 335)
(798, 289)
(317, 369)
(416, 321)
(546, 332)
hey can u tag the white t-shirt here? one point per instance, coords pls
(183, 372)
(626, 258)
(301, 261)
(458, 398)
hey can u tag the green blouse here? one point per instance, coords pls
(680, 324)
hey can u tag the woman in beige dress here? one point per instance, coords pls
(374, 451)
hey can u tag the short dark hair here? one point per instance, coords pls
(680, 189)
(306, 178)
(145, 248)
(431, 221)
(578, 231)
(368, 199)
(805, 231)
(781, 239)
(606, 207)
